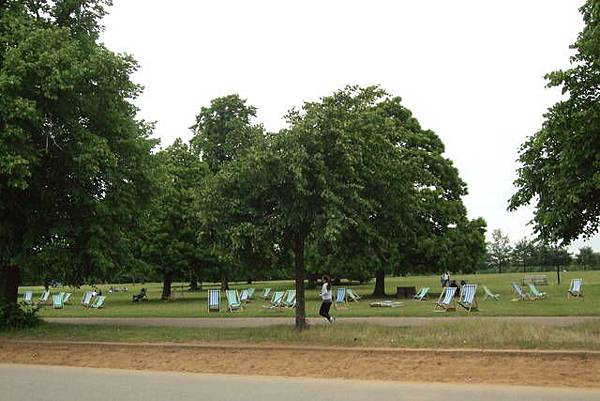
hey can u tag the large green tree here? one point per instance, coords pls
(560, 170)
(171, 242)
(74, 161)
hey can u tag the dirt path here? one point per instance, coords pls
(272, 321)
(571, 369)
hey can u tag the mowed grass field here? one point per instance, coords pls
(194, 304)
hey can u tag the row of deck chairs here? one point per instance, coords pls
(235, 301)
(467, 299)
(58, 300)
(90, 301)
(575, 290)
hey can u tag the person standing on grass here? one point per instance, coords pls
(327, 299)
(445, 279)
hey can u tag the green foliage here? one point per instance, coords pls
(560, 164)
(588, 258)
(13, 316)
(74, 161)
(499, 250)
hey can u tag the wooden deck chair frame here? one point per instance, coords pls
(575, 292)
(289, 300)
(446, 302)
(490, 294)
(57, 301)
(352, 295)
(214, 301)
(87, 299)
(99, 302)
(520, 293)
(422, 294)
(535, 293)
(468, 297)
(233, 305)
(341, 298)
(28, 297)
(43, 300)
(266, 293)
(67, 297)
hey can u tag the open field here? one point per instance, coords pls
(193, 304)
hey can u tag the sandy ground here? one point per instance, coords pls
(523, 368)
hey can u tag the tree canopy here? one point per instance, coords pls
(560, 170)
(74, 160)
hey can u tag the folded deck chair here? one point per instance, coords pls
(537, 294)
(233, 300)
(99, 302)
(520, 294)
(352, 295)
(214, 297)
(575, 289)
(28, 297)
(422, 294)
(341, 297)
(266, 293)
(251, 292)
(490, 294)
(290, 299)
(57, 301)
(66, 297)
(386, 304)
(87, 299)
(276, 299)
(244, 296)
(446, 301)
(44, 297)
(468, 294)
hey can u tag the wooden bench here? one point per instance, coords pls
(536, 279)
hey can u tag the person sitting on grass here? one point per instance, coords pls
(327, 299)
(139, 297)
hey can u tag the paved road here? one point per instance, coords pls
(272, 321)
(43, 383)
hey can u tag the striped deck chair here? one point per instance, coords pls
(520, 294)
(276, 300)
(446, 301)
(575, 289)
(57, 301)
(214, 298)
(244, 296)
(99, 302)
(422, 294)
(266, 293)
(352, 295)
(28, 297)
(44, 297)
(87, 299)
(341, 297)
(67, 297)
(490, 294)
(251, 292)
(233, 300)
(537, 294)
(468, 294)
(290, 299)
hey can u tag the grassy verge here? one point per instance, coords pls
(469, 334)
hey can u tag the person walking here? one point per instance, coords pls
(327, 299)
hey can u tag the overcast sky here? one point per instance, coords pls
(470, 70)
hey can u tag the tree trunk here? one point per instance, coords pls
(193, 285)
(249, 281)
(9, 284)
(299, 276)
(379, 290)
(558, 273)
(166, 291)
(224, 282)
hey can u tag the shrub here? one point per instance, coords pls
(15, 316)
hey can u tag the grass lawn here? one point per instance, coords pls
(194, 304)
(464, 334)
